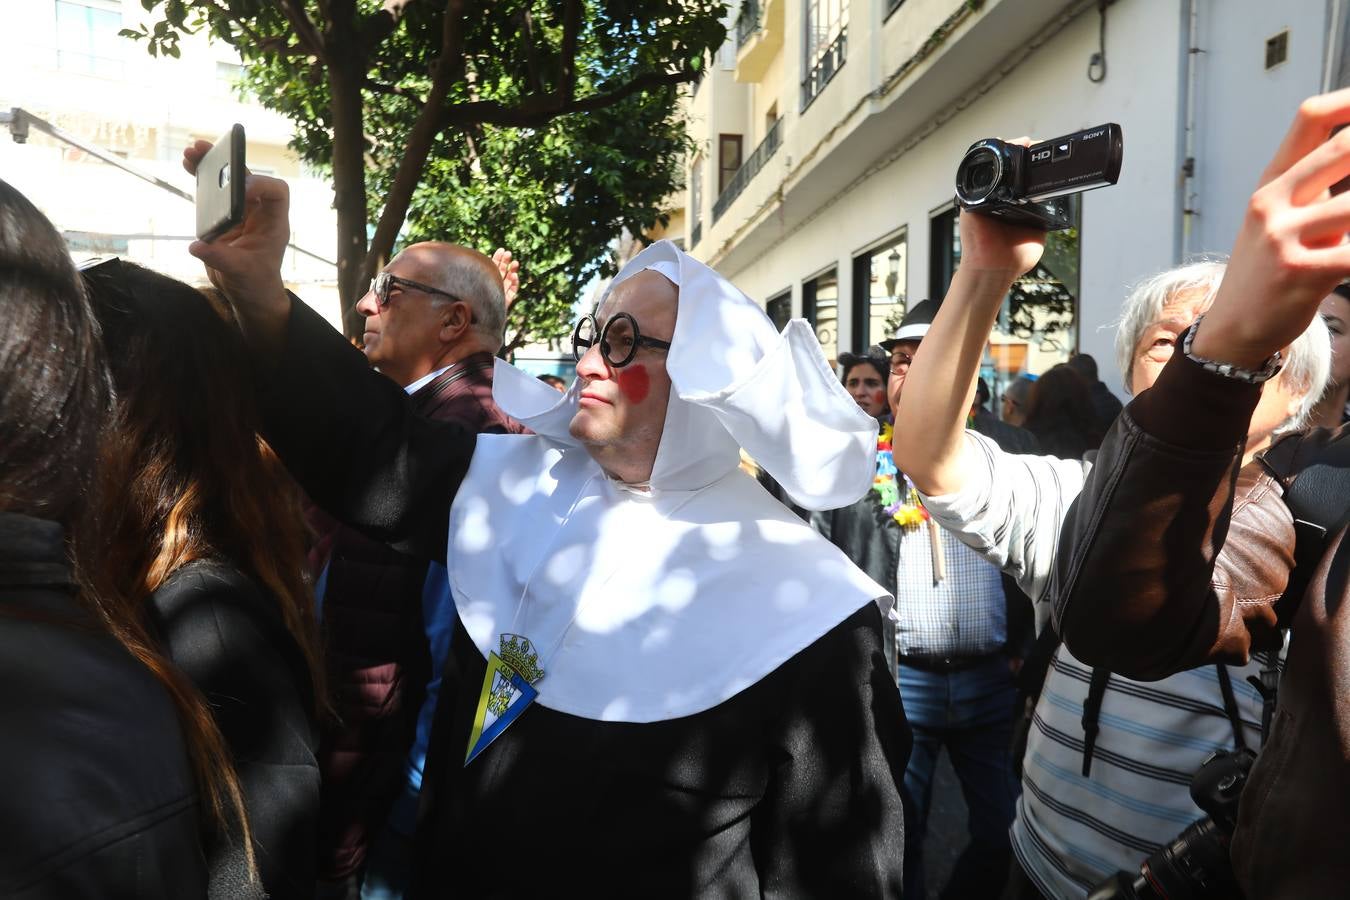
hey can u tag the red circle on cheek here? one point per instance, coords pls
(879, 398)
(635, 383)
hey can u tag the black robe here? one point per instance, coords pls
(789, 789)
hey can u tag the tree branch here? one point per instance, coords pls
(392, 90)
(536, 111)
(567, 51)
(377, 26)
(305, 29)
(447, 70)
(531, 52)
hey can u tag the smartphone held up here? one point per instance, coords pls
(220, 186)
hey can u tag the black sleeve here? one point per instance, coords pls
(227, 637)
(350, 437)
(831, 823)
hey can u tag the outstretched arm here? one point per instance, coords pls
(347, 434)
(932, 399)
(1157, 592)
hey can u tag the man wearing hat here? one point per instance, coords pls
(954, 666)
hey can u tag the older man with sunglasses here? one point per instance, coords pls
(434, 320)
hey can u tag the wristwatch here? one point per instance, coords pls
(1269, 369)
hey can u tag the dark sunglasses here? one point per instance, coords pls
(385, 282)
(619, 339)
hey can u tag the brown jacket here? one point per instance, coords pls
(1138, 553)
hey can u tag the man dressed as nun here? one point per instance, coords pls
(661, 682)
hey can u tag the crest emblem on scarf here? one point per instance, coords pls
(508, 688)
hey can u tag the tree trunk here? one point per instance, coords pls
(449, 67)
(349, 181)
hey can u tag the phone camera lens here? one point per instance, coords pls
(224, 177)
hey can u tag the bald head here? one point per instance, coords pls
(469, 275)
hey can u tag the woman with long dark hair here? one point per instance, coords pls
(1060, 414)
(108, 758)
(202, 537)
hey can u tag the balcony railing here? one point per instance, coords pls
(825, 67)
(695, 235)
(747, 23)
(749, 169)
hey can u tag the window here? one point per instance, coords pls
(879, 292)
(728, 159)
(826, 44)
(820, 307)
(779, 309)
(1277, 49)
(87, 40)
(944, 253)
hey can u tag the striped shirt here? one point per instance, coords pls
(1071, 831)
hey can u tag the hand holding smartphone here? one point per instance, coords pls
(220, 186)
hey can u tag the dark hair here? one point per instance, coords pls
(1342, 290)
(55, 393)
(185, 474)
(1084, 365)
(874, 357)
(54, 388)
(1060, 414)
(981, 392)
(553, 380)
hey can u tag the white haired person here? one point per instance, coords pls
(661, 682)
(1108, 760)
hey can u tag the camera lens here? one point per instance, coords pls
(979, 175)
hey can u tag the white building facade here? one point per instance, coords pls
(64, 62)
(830, 132)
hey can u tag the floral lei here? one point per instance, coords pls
(906, 509)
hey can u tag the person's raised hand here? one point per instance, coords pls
(245, 262)
(1291, 250)
(990, 245)
(510, 271)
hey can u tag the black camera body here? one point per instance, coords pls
(1195, 865)
(1030, 185)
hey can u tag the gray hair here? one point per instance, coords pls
(1307, 366)
(483, 291)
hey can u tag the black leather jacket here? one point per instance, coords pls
(97, 798)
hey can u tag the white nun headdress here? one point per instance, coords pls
(650, 605)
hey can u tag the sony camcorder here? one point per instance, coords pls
(1031, 185)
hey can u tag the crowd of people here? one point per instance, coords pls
(280, 617)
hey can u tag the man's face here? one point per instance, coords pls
(863, 383)
(622, 412)
(402, 339)
(1335, 311)
(1161, 339)
(902, 354)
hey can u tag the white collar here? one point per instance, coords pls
(642, 607)
(424, 380)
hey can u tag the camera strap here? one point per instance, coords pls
(1230, 707)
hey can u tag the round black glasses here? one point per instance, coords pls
(619, 339)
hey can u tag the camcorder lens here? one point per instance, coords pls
(979, 175)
